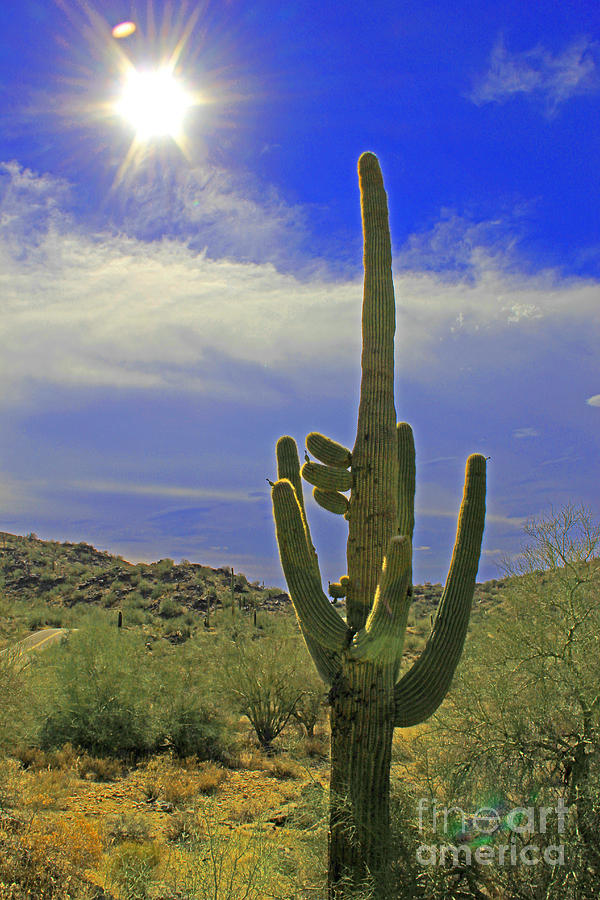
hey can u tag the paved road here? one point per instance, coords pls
(39, 640)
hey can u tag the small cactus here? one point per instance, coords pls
(360, 657)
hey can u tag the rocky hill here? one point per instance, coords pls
(63, 575)
(66, 574)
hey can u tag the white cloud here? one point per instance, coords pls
(160, 490)
(593, 401)
(215, 211)
(439, 513)
(567, 458)
(84, 310)
(525, 433)
(553, 77)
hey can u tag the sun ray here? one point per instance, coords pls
(86, 92)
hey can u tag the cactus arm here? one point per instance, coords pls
(406, 479)
(288, 466)
(421, 690)
(382, 638)
(328, 478)
(317, 617)
(327, 451)
(373, 512)
(332, 501)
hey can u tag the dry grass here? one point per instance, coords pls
(99, 769)
(153, 830)
(47, 860)
(166, 781)
(46, 789)
(126, 826)
(209, 777)
(282, 768)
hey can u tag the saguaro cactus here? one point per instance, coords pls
(360, 657)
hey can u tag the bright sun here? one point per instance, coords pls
(154, 103)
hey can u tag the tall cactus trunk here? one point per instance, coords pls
(360, 657)
(373, 512)
(362, 729)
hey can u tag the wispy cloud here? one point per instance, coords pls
(161, 490)
(85, 309)
(511, 521)
(216, 212)
(567, 458)
(593, 401)
(527, 432)
(554, 78)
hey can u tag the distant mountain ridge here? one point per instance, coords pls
(65, 574)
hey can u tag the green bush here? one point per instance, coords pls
(265, 679)
(169, 608)
(13, 696)
(145, 588)
(101, 696)
(132, 868)
(186, 720)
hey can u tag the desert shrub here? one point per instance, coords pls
(145, 588)
(14, 686)
(316, 747)
(164, 780)
(240, 866)
(309, 708)
(177, 626)
(179, 789)
(209, 778)
(132, 868)
(310, 809)
(133, 616)
(163, 568)
(64, 757)
(182, 827)
(10, 784)
(264, 679)
(46, 789)
(133, 600)
(283, 769)
(127, 827)
(521, 724)
(169, 608)
(45, 620)
(159, 773)
(31, 757)
(99, 768)
(190, 726)
(188, 723)
(44, 862)
(101, 693)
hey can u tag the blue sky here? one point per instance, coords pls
(170, 308)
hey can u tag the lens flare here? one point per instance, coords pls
(123, 30)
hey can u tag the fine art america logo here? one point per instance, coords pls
(491, 835)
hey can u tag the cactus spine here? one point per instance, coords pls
(360, 658)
